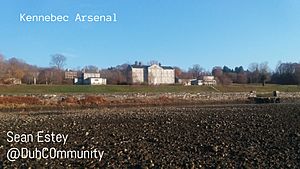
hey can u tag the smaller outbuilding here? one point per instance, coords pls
(69, 74)
(206, 80)
(185, 82)
(90, 79)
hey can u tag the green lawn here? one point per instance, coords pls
(34, 89)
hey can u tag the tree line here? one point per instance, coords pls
(285, 73)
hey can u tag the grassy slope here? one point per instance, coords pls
(33, 89)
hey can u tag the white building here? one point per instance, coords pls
(90, 79)
(185, 82)
(95, 81)
(136, 74)
(206, 80)
(154, 74)
(209, 80)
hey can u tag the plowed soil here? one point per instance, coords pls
(227, 136)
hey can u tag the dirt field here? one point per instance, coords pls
(224, 136)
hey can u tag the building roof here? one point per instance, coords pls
(138, 66)
(90, 72)
(167, 67)
(146, 66)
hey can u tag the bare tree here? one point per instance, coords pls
(16, 68)
(287, 73)
(253, 67)
(1, 58)
(178, 71)
(91, 68)
(217, 71)
(264, 71)
(259, 73)
(196, 70)
(58, 61)
(297, 74)
(254, 73)
(44, 76)
(116, 75)
(2, 66)
(242, 78)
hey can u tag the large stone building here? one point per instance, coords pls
(154, 74)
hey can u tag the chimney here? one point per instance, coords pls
(136, 63)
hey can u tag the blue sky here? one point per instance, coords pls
(174, 32)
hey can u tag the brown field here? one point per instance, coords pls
(224, 136)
